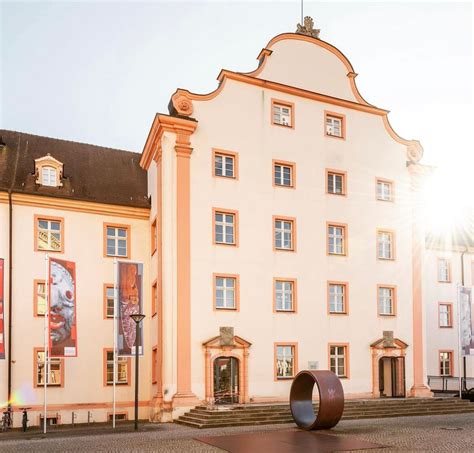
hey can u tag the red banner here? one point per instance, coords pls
(130, 295)
(62, 330)
(2, 311)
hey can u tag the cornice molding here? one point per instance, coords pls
(39, 201)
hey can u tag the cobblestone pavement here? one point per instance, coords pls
(438, 433)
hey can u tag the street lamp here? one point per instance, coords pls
(137, 317)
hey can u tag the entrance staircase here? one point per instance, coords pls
(267, 414)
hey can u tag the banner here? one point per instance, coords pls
(130, 301)
(2, 311)
(62, 332)
(467, 320)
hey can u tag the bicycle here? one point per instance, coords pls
(6, 419)
(24, 419)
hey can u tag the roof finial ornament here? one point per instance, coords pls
(307, 28)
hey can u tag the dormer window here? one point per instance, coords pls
(49, 171)
(48, 176)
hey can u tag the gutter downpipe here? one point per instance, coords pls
(462, 284)
(10, 297)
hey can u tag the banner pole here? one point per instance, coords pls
(115, 339)
(46, 342)
(458, 290)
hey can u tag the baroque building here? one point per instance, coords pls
(277, 221)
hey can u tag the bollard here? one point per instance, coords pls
(88, 417)
(73, 416)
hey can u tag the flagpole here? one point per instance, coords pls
(458, 290)
(115, 338)
(46, 343)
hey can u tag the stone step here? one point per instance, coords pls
(227, 423)
(347, 409)
(203, 417)
(354, 415)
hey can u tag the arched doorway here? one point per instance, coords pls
(392, 377)
(388, 366)
(226, 380)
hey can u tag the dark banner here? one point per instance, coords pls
(2, 311)
(130, 301)
(62, 308)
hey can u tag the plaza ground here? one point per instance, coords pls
(443, 433)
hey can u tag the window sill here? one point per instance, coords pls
(444, 281)
(340, 137)
(292, 312)
(225, 177)
(445, 327)
(386, 201)
(117, 383)
(225, 309)
(338, 313)
(49, 251)
(286, 126)
(385, 315)
(225, 244)
(276, 249)
(338, 194)
(278, 378)
(337, 254)
(385, 259)
(284, 186)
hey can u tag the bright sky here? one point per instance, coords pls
(97, 72)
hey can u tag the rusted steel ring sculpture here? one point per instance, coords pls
(331, 399)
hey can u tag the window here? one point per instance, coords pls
(282, 113)
(226, 292)
(283, 232)
(337, 294)
(445, 315)
(335, 182)
(225, 226)
(285, 360)
(445, 363)
(48, 176)
(385, 241)
(338, 360)
(119, 416)
(108, 301)
(49, 234)
(336, 239)
(285, 295)
(334, 125)
(225, 164)
(384, 190)
(154, 237)
(444, 270)
(55, 375)
(154, 298)
(39, 299)
(123, 369)
(386, 300)
(283, 174)
(117, 239)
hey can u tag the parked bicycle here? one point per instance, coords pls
(24, 418)
(7, 419)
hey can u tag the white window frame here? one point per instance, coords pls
(115, 237)
(445, 316)
(385, 245)
(40, 294)
(50, 234)
(55, 370)
(386, 300)
(283, 235)
(109, 290)
(285, 361)
(337, 298)
(282, 114)
(228, 293)
(49, 176)
(228, 228)
(384, 190)
(227, 165)
(445, 363)
(444, 271)
(334, 126)
(284, 295)
(336, 239)
(122, 369)
(281, 180)
(332, 179)
(336, 354)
